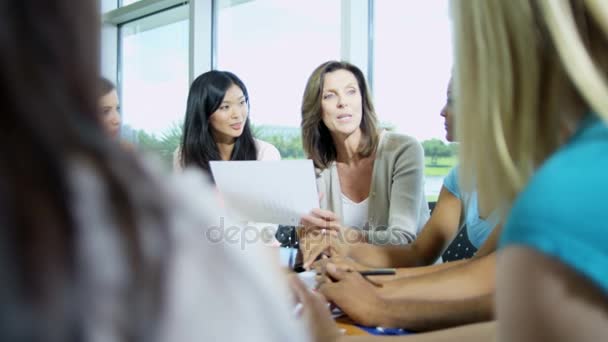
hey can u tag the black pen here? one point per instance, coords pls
(378, 271)
(374, 272)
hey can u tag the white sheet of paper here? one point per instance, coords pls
(278, 192)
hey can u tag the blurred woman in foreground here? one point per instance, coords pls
(93, 245)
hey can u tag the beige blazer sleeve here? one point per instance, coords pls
(407, 206)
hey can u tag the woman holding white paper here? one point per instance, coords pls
(217, 126)
(371, 181)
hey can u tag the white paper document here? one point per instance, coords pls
(278, 192)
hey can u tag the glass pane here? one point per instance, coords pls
(273, 46)
(412, 64)
(154, 66)
(127, 2)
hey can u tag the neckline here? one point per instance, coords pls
(350, 201)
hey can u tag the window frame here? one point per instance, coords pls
(357, 21)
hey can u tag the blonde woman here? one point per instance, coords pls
(532, 110)
(371, 182)
(532, 113)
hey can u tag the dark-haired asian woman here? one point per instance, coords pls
(217, 126)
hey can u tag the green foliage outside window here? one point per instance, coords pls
(161, 146)
(440, 157)
(286, 139)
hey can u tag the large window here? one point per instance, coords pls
(154, 78)
(273, 46)
(412, 64)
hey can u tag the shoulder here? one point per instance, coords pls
(579, 166)
(189, 191)
(400, 148)
(127, 146)
(573, 178)
(565, 198)
(198, 220)
(266, 151)
(397, 141)
(325, 173)
(451, 183)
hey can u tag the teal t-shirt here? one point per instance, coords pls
(478, 229)
(563, 211)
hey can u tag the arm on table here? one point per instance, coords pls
(363, 303)
(468, 278)
(472, 333)
(436, 235)
(455, 296)
(487, 248)
(421, 315)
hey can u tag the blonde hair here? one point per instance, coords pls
(524, 70)
(316, 138)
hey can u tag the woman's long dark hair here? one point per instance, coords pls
(205, 97)
(105, 86)
(48, 90)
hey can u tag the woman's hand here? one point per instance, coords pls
(323, 234)
(342, 263)
(355, 295)
(315, 312)
(314, 247)
(322, 221)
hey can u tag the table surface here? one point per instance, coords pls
(350, 329)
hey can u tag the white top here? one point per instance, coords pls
(216, 289)
(266, 151)
(397, 205)
(354, 214)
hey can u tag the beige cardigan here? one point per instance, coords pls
(397, 204)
